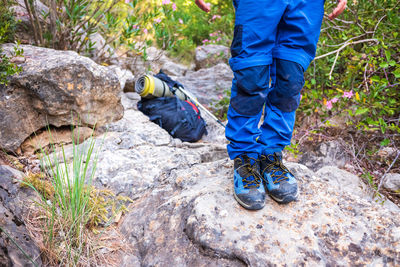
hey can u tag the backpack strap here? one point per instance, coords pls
(177, 126)
(156, 119)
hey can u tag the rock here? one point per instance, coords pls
(330, 153)
(55, 136)
(215, 132)
(53, 87)
(388, 152)
(13, 203)
(156, 59)
(173, 69)
(194, 211)
(343, 181)
(208, 85)
(392, 182)
(210, 55)
(135, 64)
(129, 100)
(184, 213)
(126, 78)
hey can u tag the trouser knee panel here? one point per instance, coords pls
(288, 85)
(252, 88)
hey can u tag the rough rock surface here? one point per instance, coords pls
(184, 213)
(208, 85)
(53, 86)
(156, 60)
(328, 153)
(55, 136)
(100, 50)
(210, 55)
(125, 77)
(13, 203)
(392, 182)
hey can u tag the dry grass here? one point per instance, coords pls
(102, 246)
(73, 222)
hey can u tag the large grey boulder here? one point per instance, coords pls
(53, 87)
(208, 85)
(210, 55)
(184, 213)
(13, 208)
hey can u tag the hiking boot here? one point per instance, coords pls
(280, 182)
(248, 189)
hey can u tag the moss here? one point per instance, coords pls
(40, 183)
(104, 206)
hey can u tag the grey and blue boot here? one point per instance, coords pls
(279, 181)
(248, 188)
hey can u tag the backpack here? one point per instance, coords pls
(181, 119)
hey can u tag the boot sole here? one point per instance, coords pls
(286, 199)
(249, 207)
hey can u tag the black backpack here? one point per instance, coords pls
(179, 118)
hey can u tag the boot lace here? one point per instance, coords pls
(247, 171)
(276, 168)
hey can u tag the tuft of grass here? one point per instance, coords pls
(63, 220)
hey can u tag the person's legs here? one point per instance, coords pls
(254, 39)
(296, 41)
(248, 95)
(251, 49)
(297, 37)
(280, 106)
(298, 31)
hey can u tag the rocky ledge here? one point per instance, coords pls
(184, 213)
(54, 88)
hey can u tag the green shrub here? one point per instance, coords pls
(70, 24)
(362, 79)
(8, 23)
(8, 68)
(180, 26)
(7, 31)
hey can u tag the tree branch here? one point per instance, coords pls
(388, 169)
(345, 45)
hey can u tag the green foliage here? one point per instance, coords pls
(220, 108)
(7, 68)
(294, 149)
(8, 23)
(7, 30)
(69, 207)
(180, 29)
(364, 79)
(71, 24)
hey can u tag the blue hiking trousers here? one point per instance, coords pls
(274, 42)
